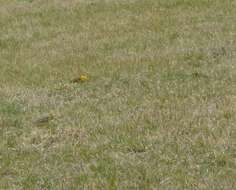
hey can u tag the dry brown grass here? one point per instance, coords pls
(158, 110)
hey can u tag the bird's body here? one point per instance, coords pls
(81, 78)
(44, 119)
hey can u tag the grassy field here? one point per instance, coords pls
(159, 108)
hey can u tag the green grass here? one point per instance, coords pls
(159, 110)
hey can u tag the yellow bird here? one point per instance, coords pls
(81, 78)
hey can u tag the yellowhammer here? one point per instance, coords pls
(81, 78)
